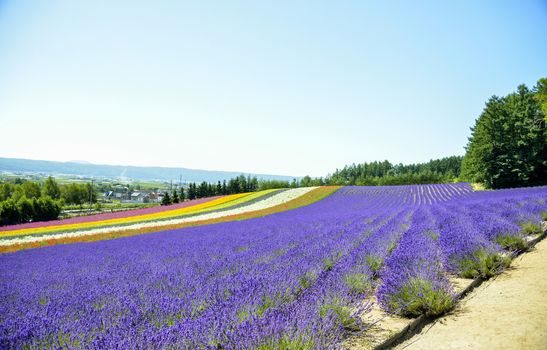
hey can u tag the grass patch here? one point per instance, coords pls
(529, 228)
(243, 315)
(374, 263)
(328, 263)
(358, 283)
(285, 342)
(391, 247)
(419, 297)
(267, 302)
(512, 242)
(341, 312)
(483, 264)
(306, 280)
(198, 308)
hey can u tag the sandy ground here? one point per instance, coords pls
(508, 312)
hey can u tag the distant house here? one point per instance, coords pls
(139, 197)
(155, 197)
(108, 195)
(159, 198)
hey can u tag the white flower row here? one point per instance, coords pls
(269, 202)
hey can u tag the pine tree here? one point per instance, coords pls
(175, 198)
(166, 200)
(218, 190)
(192, 191)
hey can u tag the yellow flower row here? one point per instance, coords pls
(219, 203)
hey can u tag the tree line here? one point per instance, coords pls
(25, 201)
(385, 173)
(239, 184)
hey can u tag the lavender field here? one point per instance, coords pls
(295, 279)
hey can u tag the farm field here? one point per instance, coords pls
(207, 210)
(304, 278)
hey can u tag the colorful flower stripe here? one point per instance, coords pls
(250, 197)
(107, 216)
(209, 205)
(312, 196)
(266, 203)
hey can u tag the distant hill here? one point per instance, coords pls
(80, 168)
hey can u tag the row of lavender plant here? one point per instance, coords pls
(471, 236)
(414, 281)
(288, 280)
(195, 285)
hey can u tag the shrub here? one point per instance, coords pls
(483, 264)
(374, 263)
(342, 313)
(328, 264)
(45, 209)
(512, 242)
(418, 296)
(530, 228)
(306, 280)
(358, 283)
(267, 303)
(26, 210)
(286, 342)
(9, 213)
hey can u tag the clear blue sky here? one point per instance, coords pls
(295, 87)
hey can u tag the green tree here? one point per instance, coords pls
(74, 194)
(90, 193)
(26, 211)
(175, 198)
(166, 200)
(218, 190)
(31, 189)
(45, 209)
(9, 213)
(51, 188)
(203, 190)
(541, 96)
(507, 143)
(306, 181)
(5, 191)
(191, 191)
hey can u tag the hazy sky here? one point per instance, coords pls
(295, 87)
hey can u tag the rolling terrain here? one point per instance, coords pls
(304, 273)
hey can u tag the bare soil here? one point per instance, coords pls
(506, 312)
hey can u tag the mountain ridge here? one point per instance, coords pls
(150, 173)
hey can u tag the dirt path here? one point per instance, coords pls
(508, 312)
